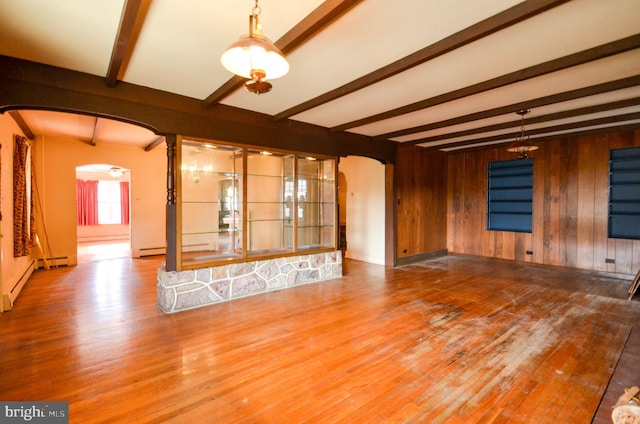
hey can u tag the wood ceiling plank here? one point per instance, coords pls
(322, 16)
(589, 55)
(482, 29)
(122, 44)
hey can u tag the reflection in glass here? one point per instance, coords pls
(269, 202)
(290, 203)
(211, 201)
(316, 203)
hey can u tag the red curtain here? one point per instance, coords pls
(87, 198)
(23, 212)
(124, 202)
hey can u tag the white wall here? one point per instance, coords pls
(365, 208)
(55, 162)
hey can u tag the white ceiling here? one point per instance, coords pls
(176, 46)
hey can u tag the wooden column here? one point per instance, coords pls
(390, 242)
(171, 255)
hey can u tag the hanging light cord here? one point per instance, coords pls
(254, 24)
(522, 112)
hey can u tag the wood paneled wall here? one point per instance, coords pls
(421, 201)
(570, 206)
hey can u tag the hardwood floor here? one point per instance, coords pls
(451, 340)
(100, 251)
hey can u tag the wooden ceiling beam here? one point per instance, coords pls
(322, 16)
(19, 120)
(512, 108)
(156, 142)
(581, 125)
(122, 45)
(468, 35)
(579, 58)
(96, 131)
(471, 147)
(28, 85)
(534, 120)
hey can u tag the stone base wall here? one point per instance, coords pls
(183, 290)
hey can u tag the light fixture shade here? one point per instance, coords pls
(522, 146)
(255, 53)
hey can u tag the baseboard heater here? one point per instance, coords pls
(53, 262)
(9, 298)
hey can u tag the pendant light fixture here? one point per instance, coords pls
(255, 57)
(522, 146)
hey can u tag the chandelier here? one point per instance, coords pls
(522, 146)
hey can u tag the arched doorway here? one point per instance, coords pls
(103, 193)
(362, 208)
(63, 141)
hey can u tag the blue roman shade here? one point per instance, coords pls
(624, 193)
(510, 195)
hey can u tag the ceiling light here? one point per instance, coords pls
(115, 172)
(522, 146)
(255, 57)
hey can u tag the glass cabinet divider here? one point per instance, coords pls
(294, 214)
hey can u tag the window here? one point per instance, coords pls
(109, 202)
(624, 193)
(510, 195)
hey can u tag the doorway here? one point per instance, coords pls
(362, 208)
(103, 212)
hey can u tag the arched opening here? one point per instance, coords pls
(103, 193)
(361, 197)
(64, 142)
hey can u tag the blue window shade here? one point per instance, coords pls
(510, 195)
(624, 193)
